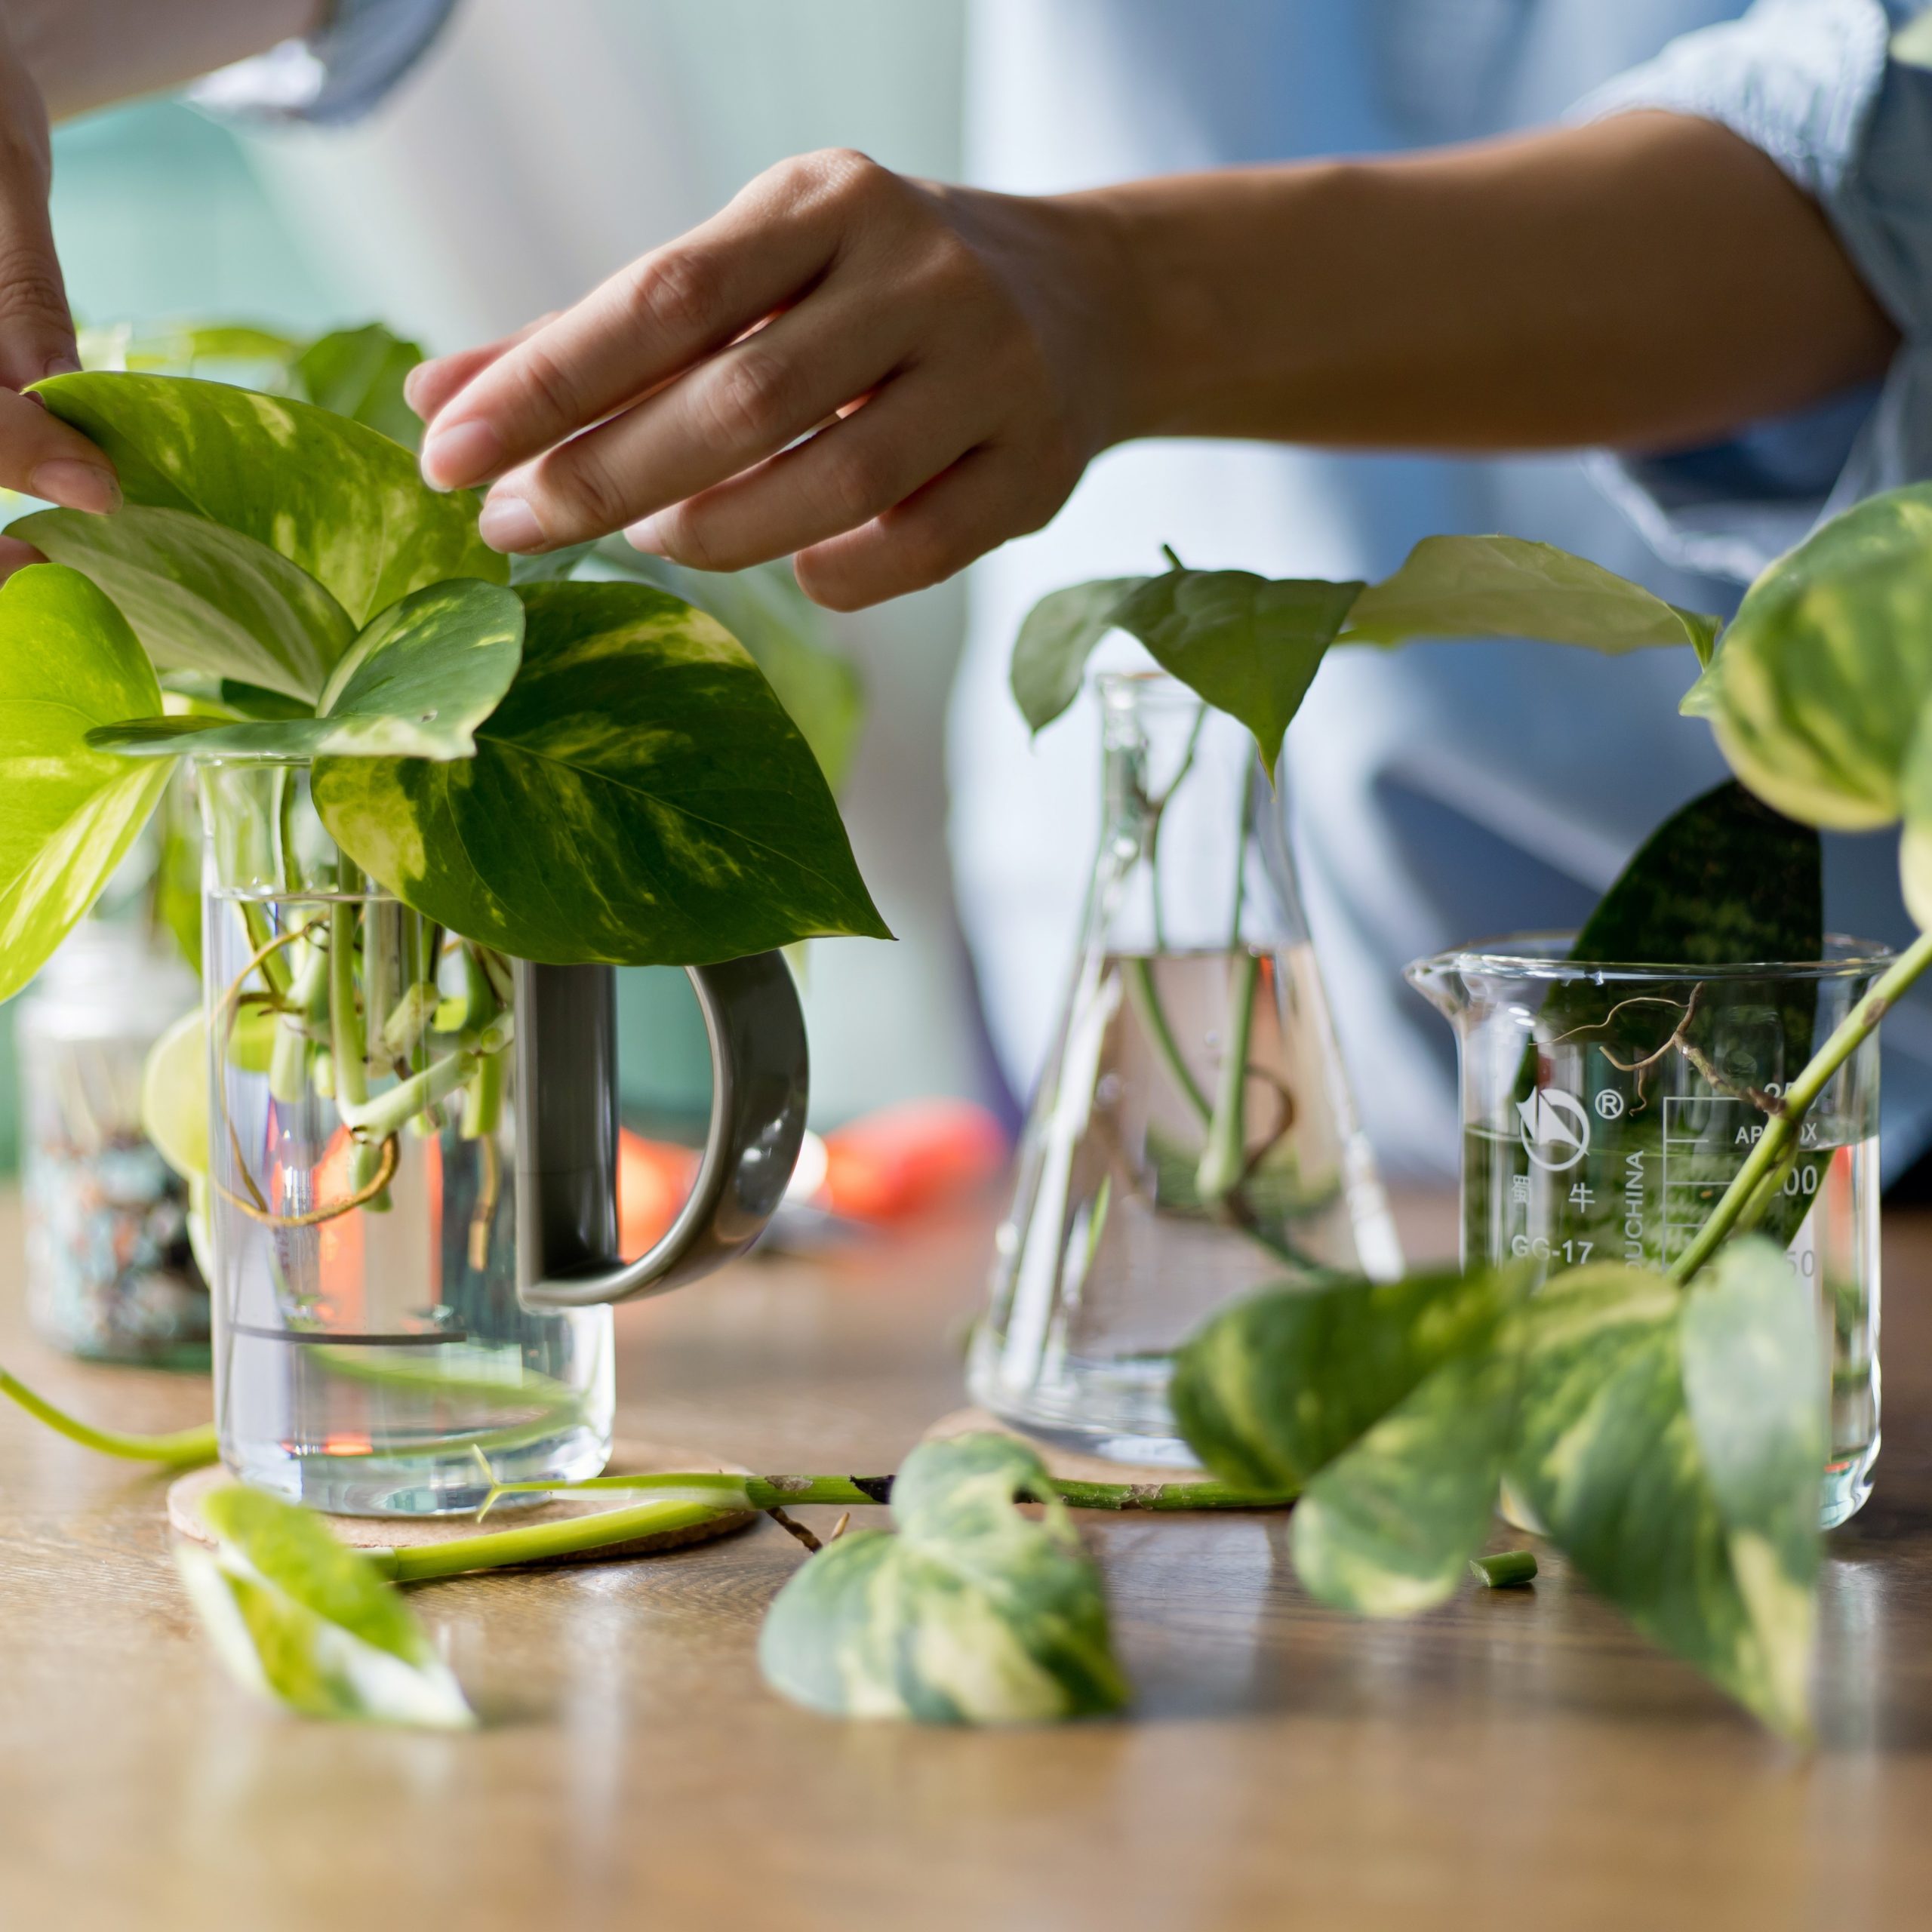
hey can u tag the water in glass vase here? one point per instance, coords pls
(368, 1337)
(1193, 1136)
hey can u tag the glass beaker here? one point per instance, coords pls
(369, 1339)
(110, 1275)
(1193, 1137)
(1605, 1108)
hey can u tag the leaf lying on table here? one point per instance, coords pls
(599, 820)
(1671, 1440)
(68, 662)
(307, 1623)
(972, 1614)
(416, 684)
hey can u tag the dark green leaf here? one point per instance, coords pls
(1388, 1527)
(1504, 586)
(1271, 1390)
(1249, 646)
(359, 373)
(1049, 655)
(68, 814)
(311, 1625)
(1671, 1443)
(972, 1614)
(785, 633)
(639, 797)
(201, 597)
(553, 566)
(1723, 880)
(342, 502)
(416, 684)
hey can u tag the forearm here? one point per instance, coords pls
(86, 53)
(1647, 280)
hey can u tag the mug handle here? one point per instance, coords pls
(567, 1129)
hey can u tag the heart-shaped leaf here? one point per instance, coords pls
(1268, 1392)
(416, 684)
(201, 597)
(1506, 586)
(342, 502)
(68, 814)
(306, 1623)
(1249, 645)
(1826, 669)
(785, 633)
(1388, 1527)
(603, 817)
(1671, 1441)
(971, 1614)
(1049, 655)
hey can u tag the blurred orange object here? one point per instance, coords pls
(653, 1178)
(895, 1162)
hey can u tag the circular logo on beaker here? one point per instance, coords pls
(1556, 1131)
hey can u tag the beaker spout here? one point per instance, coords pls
(1440, 982)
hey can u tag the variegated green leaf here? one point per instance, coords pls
(201, 597)
(1059, 635)
(1506, 586)
(1826, 670)
(1388, 1527)
(1268, 1392)
(1915, 801)
(1670, 1441)
(786, 632)
(308, 1624)
(1249, 645)
(343, 502)
(972, 1614)
(68, 662)
(639, 797)
(359, 373)
(416, 684)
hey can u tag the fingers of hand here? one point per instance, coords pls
(41, 457)
(15, 555)
(429, 386)
(851, 471)
(740, 407)
(676, 305)
(997, 491)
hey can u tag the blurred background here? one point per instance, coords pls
(511, 172)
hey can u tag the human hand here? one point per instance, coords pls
(883, 377)
(39, 455)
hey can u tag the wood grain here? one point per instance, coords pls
(1515, 1757)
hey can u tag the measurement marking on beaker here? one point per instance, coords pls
(317, 1337)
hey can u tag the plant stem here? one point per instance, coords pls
(1224, 1159)
(1139, 975)
(183, 1449)
(1508, 1569)
(1783, 1130)
(854, 1492)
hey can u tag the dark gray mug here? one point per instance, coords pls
(567, 1129)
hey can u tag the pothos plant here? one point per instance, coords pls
(1666, 1426)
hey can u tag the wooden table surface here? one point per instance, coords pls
(1513, 1758)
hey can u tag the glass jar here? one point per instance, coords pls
(1606, 1108)
(110, 1273)
(371, 1352)
(1193, 1137)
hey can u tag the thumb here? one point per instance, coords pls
(36, 329)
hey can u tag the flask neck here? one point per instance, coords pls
(1194, 854)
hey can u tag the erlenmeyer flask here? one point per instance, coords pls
(1193, 1137)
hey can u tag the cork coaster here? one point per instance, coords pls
(627, 1458)
(1064, 1464)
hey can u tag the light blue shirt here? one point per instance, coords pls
(1442, 792)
